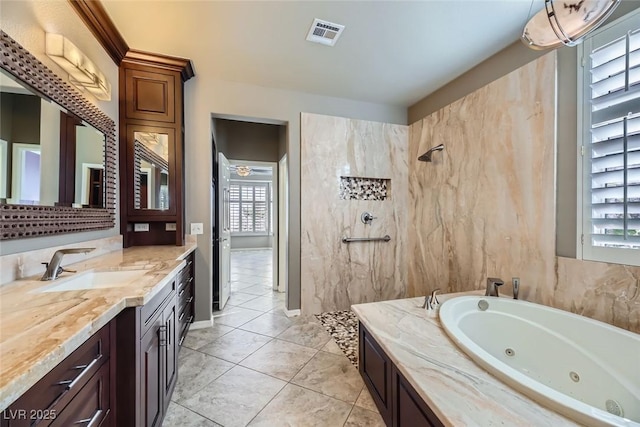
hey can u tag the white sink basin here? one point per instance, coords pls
(95, 280)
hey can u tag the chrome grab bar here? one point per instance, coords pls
(366, 239)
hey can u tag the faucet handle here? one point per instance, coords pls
(67, 271)
(432, 300)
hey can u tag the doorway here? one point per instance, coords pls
(250, 218)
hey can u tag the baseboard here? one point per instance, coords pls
(201, 324)
(292, 313)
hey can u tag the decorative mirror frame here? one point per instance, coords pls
(20, 221)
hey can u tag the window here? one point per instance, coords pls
(610, 146)
(249, 205)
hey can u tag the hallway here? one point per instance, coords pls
(252, 281)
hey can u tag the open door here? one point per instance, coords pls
(224, 239)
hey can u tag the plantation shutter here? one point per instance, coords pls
(613, 140)
(249, 207)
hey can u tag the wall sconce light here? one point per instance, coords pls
(82, 72)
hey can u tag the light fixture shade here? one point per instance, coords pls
(565, 22)
(82, 72)
(243, 170)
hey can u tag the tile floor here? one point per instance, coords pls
(257, 367)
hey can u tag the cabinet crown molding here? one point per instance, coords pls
(174, 63)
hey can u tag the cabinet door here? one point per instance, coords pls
(151, 389)
(150, 95)
(375, 369)
(409, 410)
(151, 172)
(170, 350)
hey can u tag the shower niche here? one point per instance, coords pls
(360, 188)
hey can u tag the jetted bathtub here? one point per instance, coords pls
(582, 368)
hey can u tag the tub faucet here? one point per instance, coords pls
(431, 302)
(53, 266)
(492, 286)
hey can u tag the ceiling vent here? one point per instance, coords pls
(324, 32)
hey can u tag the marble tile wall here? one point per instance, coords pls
(485, 206)
(25, 264)
(334, 274)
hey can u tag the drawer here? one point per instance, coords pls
(150, 310)
(91, 406)
(58, 387)
(184, 326)
(185, 296)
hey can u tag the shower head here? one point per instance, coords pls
(426, 157)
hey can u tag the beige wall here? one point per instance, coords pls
(205, 97)
(334, 274)
(486, 206)
(27, 21)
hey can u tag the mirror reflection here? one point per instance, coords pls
(151, 174)
(48, 157)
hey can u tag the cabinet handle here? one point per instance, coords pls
(181, 340)
(93, 421)
(181, 293)
(181, 316)
(162, 334)
(85, 368)
(190, 299)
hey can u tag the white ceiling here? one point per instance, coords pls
(391, 52)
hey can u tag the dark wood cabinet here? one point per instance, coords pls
(78, 389)
(148, 363)
(375, 369)
(152, 148)
(398, 402)
(408, 408)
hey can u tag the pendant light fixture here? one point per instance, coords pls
(243, 170)
(565, 22)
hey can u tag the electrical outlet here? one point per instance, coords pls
(141, 227)
(197, 228)
(170, 226)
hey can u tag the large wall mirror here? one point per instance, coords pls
(57, 152)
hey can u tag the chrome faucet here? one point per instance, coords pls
(492, 286)
(431, 302)
(53, 266)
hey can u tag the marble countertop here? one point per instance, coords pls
(38, 330)
(458, 391)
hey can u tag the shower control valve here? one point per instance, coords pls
(367, 218)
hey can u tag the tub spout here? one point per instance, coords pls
(492, 286)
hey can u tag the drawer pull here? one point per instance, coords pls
(190, 319)
(85, 368)
(181, 316)
(93, 421)
(190, 300)
(181, 340)
(181, 293)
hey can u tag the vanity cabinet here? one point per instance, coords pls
(149, 338)
(77, 391)
(152, 148)
(398, 402)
